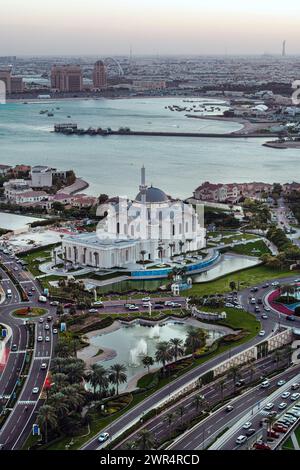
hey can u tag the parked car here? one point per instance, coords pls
(261, 446)
(282, 405)
(295, 396)
(269, 406)
(279, 428)
(295, 386)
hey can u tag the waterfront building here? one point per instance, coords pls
(4, 170)
(17, 85)
(30, 197)
(5, 76)
(99, 76)
(41, 176)
(151, 227)
(13, 188)
(66, 78)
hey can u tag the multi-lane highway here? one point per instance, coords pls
(22, 416)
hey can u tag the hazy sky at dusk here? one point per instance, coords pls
(151, 27)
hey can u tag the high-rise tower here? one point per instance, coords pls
(283, 48)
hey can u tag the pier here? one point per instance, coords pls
(72, 129)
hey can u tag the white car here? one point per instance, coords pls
(54, 303)
(35, 390)
(46, 326)
(269, 406)
(275, 283)
(146, 304)
(241, 439)
(146, 299)
(47, 339)
(295, 396)
(168, 303)
(282, 405)
(133, 307)
(285, 394)
(55, 331)
(103, 437)
(267, 309)
(41, 320)
(43, 366)
(262, 333)
(247, 425)
(93, 310)
(40, 338)
(281, 382)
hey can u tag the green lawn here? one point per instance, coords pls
(32, 262)
(246, 278)
(257, 248)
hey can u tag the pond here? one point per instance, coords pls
(227, 265)
(132, 343)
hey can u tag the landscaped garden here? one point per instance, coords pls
(29, 312)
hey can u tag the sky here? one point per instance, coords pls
(106, 27)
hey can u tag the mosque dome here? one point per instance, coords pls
(153, 195)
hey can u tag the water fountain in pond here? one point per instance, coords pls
(154, 332)
(135, 354)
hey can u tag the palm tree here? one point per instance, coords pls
(74, 396)
(145, 439)
(117, 375)
(160, 250)
(148, 361)
(172, 246)
(222, 385)
(131, 445)
(170, 417)
(252, 370)
(176, 347)
(180, 412)
(98, 378)
(277, 357)
(198, 401)
(163, 353)
(46, 419)
(143, 253)
(195, 339)
(181, 245)
(75, 371)
(234, 372)
(57, 401)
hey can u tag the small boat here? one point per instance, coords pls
(50, 114)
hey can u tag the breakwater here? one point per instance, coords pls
(72, 129)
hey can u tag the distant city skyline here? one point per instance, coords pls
(63, 27)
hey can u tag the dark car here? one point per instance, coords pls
(14, 347)
(250, 431)
(290, 317)
(240, 383)
(229, 408)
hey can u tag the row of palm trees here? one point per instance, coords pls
(166, 351)
(145, 439)
(171, 245)
(100, 378)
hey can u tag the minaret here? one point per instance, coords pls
(143, 186)
(284, 48)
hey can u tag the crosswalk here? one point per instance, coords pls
(41, 358)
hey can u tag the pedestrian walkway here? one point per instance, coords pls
(26, 402)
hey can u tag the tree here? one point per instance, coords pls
(148, 362)
(180, 412)
(98, 378)
(195, 339)
(198, 401)
(143, 253)
(57, 401)
(234, 373)
(222, 385)
(163, 353)
(181, 245)
(176, 347)
(117, 375)
(170, 417)
(232, 285)
(46, 419)
(145, 439)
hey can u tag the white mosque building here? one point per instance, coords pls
(151, 227)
